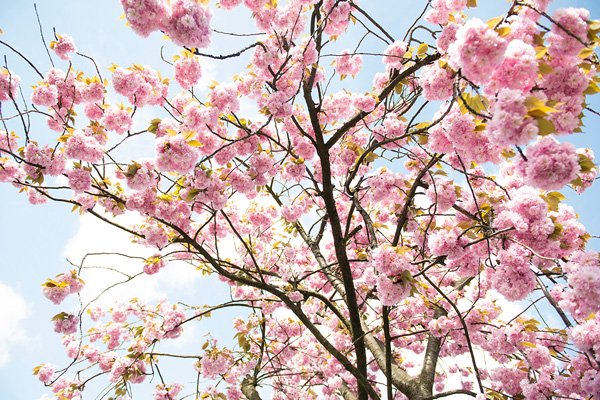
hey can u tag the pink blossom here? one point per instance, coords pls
(188, 24)
(436, 82)
(348, 64)
(45, 95)
(168, 392)
(574, 21)
(527, 212)
(36, 196)
(477, 51)
(57, 289)
(394, 55)
(292, 212)
(551, 165)
(80, 180)
(510, 124)
(135, 370)
(141, 85)
(66, 323)
(153, 264)
(518, 70)
(214, 364)
(513, 277)
(442, 194)
(140, 176)
(145, 16)
(174, 154)
(447, 37)
(187, 71)
(117, 119)
(447, 243)
(586, 336)
(83, 147)
(224, 98)
(9, 84)
(93, 91)
(63, 47)
(46, 373)
(229, 4)
(391, 293)
(93, 111)
(391, 261)
(279, 105)
(338, 17)
(439, 13)
(364, 103)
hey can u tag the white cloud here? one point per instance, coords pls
(13, 311)
(103, 268)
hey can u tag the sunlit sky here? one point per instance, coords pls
(35, 241)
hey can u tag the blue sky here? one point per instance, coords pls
(35, 240)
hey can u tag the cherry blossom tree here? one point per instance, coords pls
(370, 238)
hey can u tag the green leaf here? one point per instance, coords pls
(592, 88)
(585, 163)
(154, 125)
(545, 126)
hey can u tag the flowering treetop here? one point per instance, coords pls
(370, 243)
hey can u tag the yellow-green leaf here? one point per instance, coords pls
(492, 23)
(592, 88)
(585, 53)
(545, 127)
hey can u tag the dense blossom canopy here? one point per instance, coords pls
(372, 240)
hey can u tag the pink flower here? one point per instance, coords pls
(145, 16)
(364, 103)
(35, 196)
(140, 176)
(83, 147)
(391, 293)
(292, 212)
(215, 363)
(574, 21)
(518, 70)
(442, 194)
(45, 95)
(46, 373)
(436, 82)
(189, 24)
(551, 165)
(510, 124)
(167, 392)
(224, 98)
(142, 85)
(527, 212)
(447, 37)
(8, 84)
(153, 264)
(347, 64)
(63, 47)
(394, 55)
(174, 154)
(117, 119)
(65, 323)
(477, 51)
(279, 104)
(513, 277)
(229, 4)
(93, 111)
(187, 71)
(80, 180)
